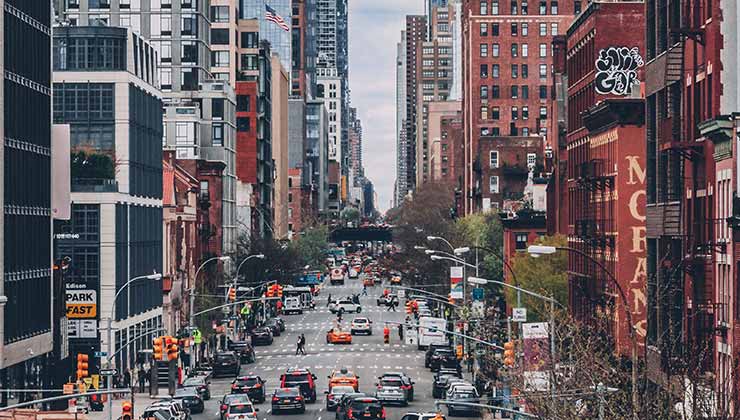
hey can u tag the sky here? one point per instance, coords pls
(374, 30)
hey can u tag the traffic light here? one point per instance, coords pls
(459, 351)
(157, 351)
(279, 290)
(173, 351)
(509, 354)
(82, 365)
(232, 294)
(409, 307)
(127, 410)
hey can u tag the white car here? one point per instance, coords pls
(353, 274)
(361, 325)
(460, 387)
(241, 411)
(292, 306)
(345, 306)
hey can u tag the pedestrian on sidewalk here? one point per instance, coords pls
(142, 379)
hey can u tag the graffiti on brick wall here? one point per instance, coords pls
(616, 70)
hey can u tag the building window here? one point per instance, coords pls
(484, 50)
(543, 71)
(249, 62)
(250, 39)
(514, 71)
(525, 29)
(495, 113)
(494, 7)
(495, 71)
(531, 160)
(243, 124)
(514, 29)
(543, 113)
(495, 50)
(443, 27)
(495, 131)
(220, 58)
(483, 71)
(218, 135)
(543, 29)
(543, 7)
(525, 71)
(514, 92)
(484, 7)
(515, 50)
(219, 36)
(543, 92)
(514, 6)
(543, 50)
(495, 91)
(243, 103)
(483, 29)
(484, 92)
(493, 184)
(553, 29)
(514, 113)
(525, 50)
(165, 77)
(203, 193)
(484, 112)
(494, 29)
(493, 159)
(577, 6)
(220, 14)
(525, 7)
(525, 88)
(525, 131)
(521, 241)
(525, 112)
(553, 7)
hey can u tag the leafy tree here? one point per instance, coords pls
(350, 215)
(545, 275)
(311, 246)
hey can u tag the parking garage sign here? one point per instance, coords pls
(82, 303)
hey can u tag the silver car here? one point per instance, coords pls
(389, 392)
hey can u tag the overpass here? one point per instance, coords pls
(363, 234)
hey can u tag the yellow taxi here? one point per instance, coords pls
(344, 377)
(396, 280)
(368, 281)
(337, 336)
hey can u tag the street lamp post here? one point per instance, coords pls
(155, 276)
(431, 238)
(191, 318)
(466, 249)
(537, 250)
(239, 267)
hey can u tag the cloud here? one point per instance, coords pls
(374, 30)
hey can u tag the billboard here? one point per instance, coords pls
(536, 348)
(456, 282)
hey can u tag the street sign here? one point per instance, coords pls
(101, 353)
(108, 372)
(68, 388)
(401, 293)
(519, 315)
(477, 293)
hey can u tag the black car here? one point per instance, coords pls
(191, 399)
(262, 336)
(226, 363)
(344, 402)
(274, 325)
(252, 385)
(244, 350)
(336, 393)
(362, 408)
(288, 399)
(439, 386)
(200, 384)
(444, 358)
(430, 351)
(229, 399)
(280, 322)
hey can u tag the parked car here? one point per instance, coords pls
(288, 399)
(465, 395)
(361, 325)
(200, 384)
(302, 379)
(226, 363)
(335, 393)
(443, 358)
(228, 399)
(274, 325)
(262, 336)
(165, 411)
(345, 306)
(181, 412)
(401, 380)
(440, 385)
(244, 350)
(430, 350)
(241, 411)
(191, 399)
(252, 385)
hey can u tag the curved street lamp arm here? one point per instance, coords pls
(454, 260)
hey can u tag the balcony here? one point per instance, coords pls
(96, 185)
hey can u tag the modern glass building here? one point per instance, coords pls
(279, 38)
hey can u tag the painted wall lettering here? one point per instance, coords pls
(616, 70)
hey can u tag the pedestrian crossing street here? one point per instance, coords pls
(351, 348)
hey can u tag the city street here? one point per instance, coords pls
(367, 356)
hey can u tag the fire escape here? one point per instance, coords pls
(687, 219)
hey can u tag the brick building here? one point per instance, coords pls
(521, 229)
(606, 166)
(507, 61)
(501, 169)
(691, 183)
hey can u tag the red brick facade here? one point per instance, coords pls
(507, 64)
(246, 138)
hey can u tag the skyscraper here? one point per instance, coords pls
(279, 37)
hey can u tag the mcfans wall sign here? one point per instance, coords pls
(616, 70)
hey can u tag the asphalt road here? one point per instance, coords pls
(367, 356)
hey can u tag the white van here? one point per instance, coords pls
(292, 306)
(431, 331)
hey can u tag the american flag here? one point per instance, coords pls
(272, 16)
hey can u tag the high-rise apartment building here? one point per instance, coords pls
(400, 186)
(329, 89)
(355, 148)
(279, 36)
(280, 84)
(304, 34)
(317, 151)
(113, 107)
(198, 125)
(224, 40)
(26, 254)
(507, 63)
